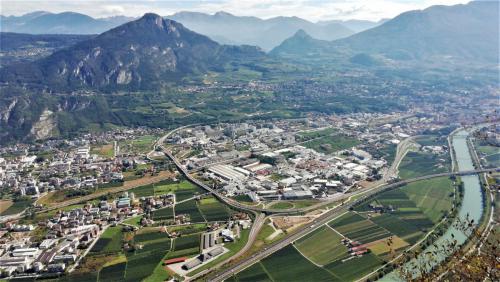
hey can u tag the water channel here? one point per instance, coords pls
(471, 208)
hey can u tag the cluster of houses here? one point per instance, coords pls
(32, 175)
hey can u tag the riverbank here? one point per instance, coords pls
(471, 210)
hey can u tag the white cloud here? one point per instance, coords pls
(313, 10)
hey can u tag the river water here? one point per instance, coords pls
(472, 203)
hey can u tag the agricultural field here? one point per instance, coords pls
(355, 268)
(255, 272)
(281, 205)
(489, 155)
(105, 150)
(151, 246)
(183, 190)
(5, 205)
(16, 206)
(331, 144)
(433, 196)
(308, 135)
(143, 144)
(190, 208)
(408, 232)
(213, 210)
(389, 245)
(416, 164)
(114, 272)
(244, 198)
(403, 208)
(357, 228)
(110, 241)
(187, 242)
(322, 246)
(279, 267)
(163, 214)
(143, 191)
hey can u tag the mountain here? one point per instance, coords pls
(468, 31)
(300, 43)
(62, 23)
(458, 33)
(355, 25)
(267, 34)
(142, 54)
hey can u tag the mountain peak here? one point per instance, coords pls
(301, 34)
(152, 18)
(223, 14)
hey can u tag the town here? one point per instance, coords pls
(131, 186)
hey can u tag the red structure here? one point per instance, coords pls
(174, 260)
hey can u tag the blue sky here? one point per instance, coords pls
(313, 10)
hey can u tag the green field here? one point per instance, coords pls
(143, 191)
(254, 273)
(110, 241)
(359, 229)
(187, 242)
(113, 273)
(433, 196)
(330, 144)
(355, 268)
(281, 205)
(163, 214)
(213, 210)
(17, 206)
(308, 135)
(288, 264)
(488, 154)
(149, 236)
(322, 246)
(151, 247)
(408, 232)
(416, 164)
(190, 208)
(182, 190)
(142, 144)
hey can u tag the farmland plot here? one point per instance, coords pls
(113, 273)
(288, 264)
(359, 229)
(191, 209)
(322, 246)
(213, 210)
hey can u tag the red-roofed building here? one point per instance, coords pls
(174, 260)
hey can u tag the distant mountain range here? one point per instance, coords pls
(230, 29)
(461, 33)
(141, 54)
(62, 23)
(355, 25)
(221, 27)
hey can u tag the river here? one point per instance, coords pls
(472, 204)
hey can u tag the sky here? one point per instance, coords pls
(313, 10)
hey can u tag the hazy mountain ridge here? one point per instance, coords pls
(459, 32)
(230, 29)
(42, 22)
